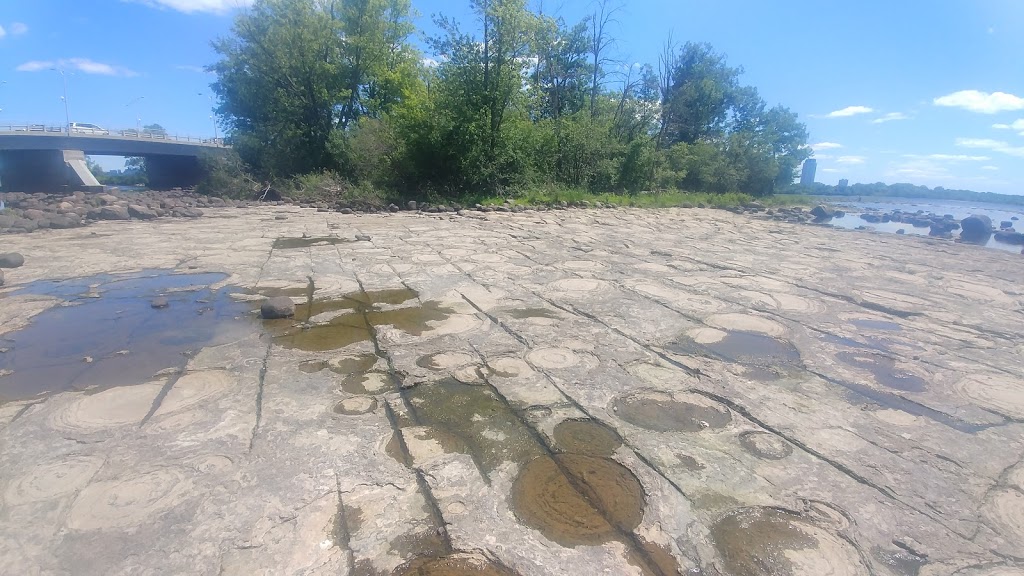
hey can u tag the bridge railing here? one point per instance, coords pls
(129, 134)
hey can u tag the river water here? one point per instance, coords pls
(959, 209)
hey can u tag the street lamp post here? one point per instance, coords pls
(138, 119)
(213, 118)
(67, 115)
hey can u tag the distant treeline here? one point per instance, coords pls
(879, 190)
(505, 102)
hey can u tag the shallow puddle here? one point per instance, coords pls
(361, 311)
(293, 243)
(490, 431)
(884, 370)
(575, 499)
(586, 436)
(662, 412)
(345, 366)
(454, 565)
(110, 334)
(771, 542)
(766, 358)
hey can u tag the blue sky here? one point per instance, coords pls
(923, 92)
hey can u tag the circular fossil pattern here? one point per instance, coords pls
(554, 358)
(458, 564)
(50, 481)
(109, 408)
(445, 360)
(765, 445)
(761, 541)
(127, 502)
(509, 368)
(195, 388)
(664, 412)
(792, 303)
(996, 392)
(586, 436)
(356, 405)
(575, 499)
(487, 258)
(583, 265)
(747, 323)
(1004, 512)
(576, 285)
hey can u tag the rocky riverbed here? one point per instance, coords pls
(682, 391)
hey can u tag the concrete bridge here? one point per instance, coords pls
(37, 158)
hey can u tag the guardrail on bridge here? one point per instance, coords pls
(129, 134)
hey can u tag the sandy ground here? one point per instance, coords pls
(577, 392)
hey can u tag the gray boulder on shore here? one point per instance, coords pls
(1, 277)
(976, 226)
(11, 260)
(277, 308)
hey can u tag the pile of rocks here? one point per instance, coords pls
(29, 212)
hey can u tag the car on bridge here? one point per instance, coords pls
(84, 128)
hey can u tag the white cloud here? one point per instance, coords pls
(1017, 125)
(18, 28)
(81, 64)
(850, 111)
(35, 65)
(851, 159)
(824, 156)
(948, 157)
(429, 63)
(981, 102)
(990, 167)
(2, 32)
(994, 145)
(826, 145)
(830, 170)
(193, 6)
(190, 68)
(890, 117)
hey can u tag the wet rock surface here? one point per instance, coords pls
(520, 393)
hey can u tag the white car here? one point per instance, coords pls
(83, 128)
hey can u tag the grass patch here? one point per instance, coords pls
(668, 199)
(333, 189)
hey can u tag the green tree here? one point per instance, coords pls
(294, 73)
(698, 88)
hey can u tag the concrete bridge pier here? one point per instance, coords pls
(46, 171)
(166, 172)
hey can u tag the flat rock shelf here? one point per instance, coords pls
(523, 393)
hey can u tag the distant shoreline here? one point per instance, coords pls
(987, 198)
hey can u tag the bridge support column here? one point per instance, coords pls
(45, 171)
(166, 172)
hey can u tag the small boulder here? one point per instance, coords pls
(1, 277)
(821, 213)
(346, 210)
(110, 213)
(11, 260)
(277, 308)
(141, 212)
(1002, 225)
(1010, 236)
(411, 205)
(976, 226)
(392, 208)
(159, 303)
(901, 231)
(66, 221)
